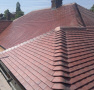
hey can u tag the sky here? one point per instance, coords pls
(31, 5)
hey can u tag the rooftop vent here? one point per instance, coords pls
(56, 3)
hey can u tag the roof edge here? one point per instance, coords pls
(43, 9)
(56, 29)
(73, 28)
(70, 27)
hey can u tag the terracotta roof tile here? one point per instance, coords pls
(36, 64)
(37, 67)
(58, 86)
(80, 58)
(61, 59)
(87, 16)
(4, 25)
(28, 26)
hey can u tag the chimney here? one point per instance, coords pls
(56, 3)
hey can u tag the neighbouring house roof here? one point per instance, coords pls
(4, 25)
(54, 58)
(38, 22)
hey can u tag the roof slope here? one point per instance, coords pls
(39, 22)
(60, 59)
(80, 49)
(4, 25)
(87, 16)
(34, 63)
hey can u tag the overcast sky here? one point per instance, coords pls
(31, 5)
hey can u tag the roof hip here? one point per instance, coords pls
(61, 70)
(79, 16)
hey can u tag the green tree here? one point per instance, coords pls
(1, 16)
(18, 7)
(92, 8)
(12, 16)
(7, 14)
(19, 12)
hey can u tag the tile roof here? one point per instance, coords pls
(4, 25)
(87, 16)
(38, 22)
(60, 59)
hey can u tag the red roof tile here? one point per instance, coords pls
(43, 66)
(80, 58)
(61, 59)
(36, 64)
(39, 22)
(4, 25)
(87, 16)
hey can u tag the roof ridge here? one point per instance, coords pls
(61, 72)
(69, 4)
(43, 9)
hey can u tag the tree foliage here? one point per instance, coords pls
(18, 7)
(92, 8)
(1, 16)
(19, 12)
(11, 16)
(7, 14)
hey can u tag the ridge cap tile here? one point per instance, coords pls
(58, 86)
(60, 80)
